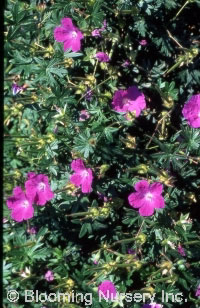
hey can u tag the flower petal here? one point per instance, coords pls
(136, 200)
(159, 202)
(75, 45)
(77, 165)
(67, 23)
(146, 210)
(60, 34)
(76, 179)
(156, 188)
(86, 184)
(141, 186)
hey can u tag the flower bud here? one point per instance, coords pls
(104, 168)
(142, 169)
(141, 238)
(93, 212)
(6, 248)
(137, 264)
(130, 142)
(168, 103)
(191, 198)
(51, 137)
(68, 62)
(166, 265)
(70, 189)
(34, 98)
(104, 211)
(70, 283)
(149, 290)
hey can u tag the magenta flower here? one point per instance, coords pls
(131, 252)
(38, 189)
(108, 289)
(82, 177)
(95, 262)
(147, 197)
(104, 25)
(198, 291)
(102, 197)
(129, 100)
(20, 205)
(68, 34)
(84, 115)
(96, 32)
(143, 42)
(32, 230)
(181, 250)
(17, 89)
(49, 276)
(126, 63)
(191, 111)
(88, 94)
(102, 57)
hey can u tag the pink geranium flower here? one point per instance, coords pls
(97, 32)
(102, 57)
(38, 189)
(147, 197)
(32, 230)
(20, 205)
(82, 177)
(84, 115)
(129, 100)
(198, 291)
(126, 63)
(143, 42)
(108, 289)
(49, 276)
(191, 111)
(181, 250)
(68, 34)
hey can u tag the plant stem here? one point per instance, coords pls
(192, 242)
(95, 87)
(77, 214)
(178, 13)
(160, 280)
(129, 240)
(95, 68)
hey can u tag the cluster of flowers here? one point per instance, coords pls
(146, 198)
(124, 100)
(37, 192)
(97, 32)
(71, 37)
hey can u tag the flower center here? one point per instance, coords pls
(41, 186)
(148, 196)
(125, 101)
(25, 203)
(84, 173)
(74, 34)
